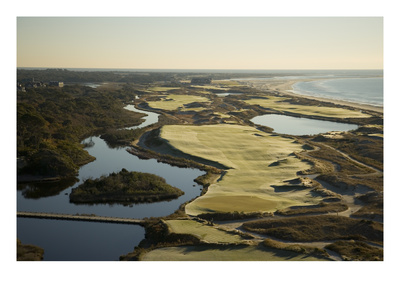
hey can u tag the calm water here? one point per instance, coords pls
(79, 241)
(54, 197)
(300, 126)
(359, 90)
(227, 94)
(151, 117)
(113, 160)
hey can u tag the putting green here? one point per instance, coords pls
(259, 163)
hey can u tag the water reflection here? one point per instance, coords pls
(227, 94)
(37, 190)
(74, 240)
(300, 126)
(110, 160)
(79, 241)
(150, 118)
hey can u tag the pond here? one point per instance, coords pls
(54, 197)
(300, 126)
(227, 94)
(79, 241)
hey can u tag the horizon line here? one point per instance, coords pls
(189, 69)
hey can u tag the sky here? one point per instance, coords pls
(201, 42)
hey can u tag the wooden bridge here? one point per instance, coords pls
(78, 217)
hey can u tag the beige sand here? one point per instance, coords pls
(285, 87)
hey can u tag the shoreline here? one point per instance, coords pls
(284, 87)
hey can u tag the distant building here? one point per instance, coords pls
(56, 83)
(34, 84)
(201, 80)
(20, 87)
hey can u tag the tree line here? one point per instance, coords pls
(51, 122)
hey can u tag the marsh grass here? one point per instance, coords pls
(364, 148)
(356, 250)
(320, 208)
(373, 208)
(318, 228)
(339, 171)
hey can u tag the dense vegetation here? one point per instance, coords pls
(52, 121)
(320, 208)
(124, 186)
(28, 252)
(355, 250)
(363, 148)
(318, 228)
(68, 76)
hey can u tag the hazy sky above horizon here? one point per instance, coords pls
(201, 42)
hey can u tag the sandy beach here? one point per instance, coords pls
(285, 87)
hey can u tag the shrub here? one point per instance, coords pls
(318, 228)
(125, 186)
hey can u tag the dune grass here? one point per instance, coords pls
(203, 232)
(257, 161)
(225, 253)
(318, 228)
(356, 250)
(321, 111)
(174, 102)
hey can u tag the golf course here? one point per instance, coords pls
(259, 168)
(264, 176)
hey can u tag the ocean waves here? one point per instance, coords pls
(359, 90)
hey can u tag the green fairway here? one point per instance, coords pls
(173, 102)
(259, 163)
(230, 253)
(203, 232)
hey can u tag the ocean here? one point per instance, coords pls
(360, 86)
(358, 90)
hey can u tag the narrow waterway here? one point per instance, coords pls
(74, 240)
